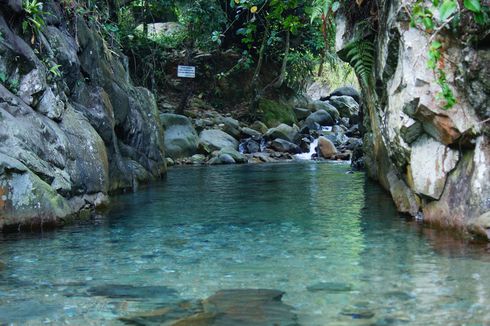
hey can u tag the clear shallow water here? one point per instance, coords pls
(281, 226)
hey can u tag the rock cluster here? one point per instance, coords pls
(212, 138)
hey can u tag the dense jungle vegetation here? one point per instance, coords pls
(258, 47)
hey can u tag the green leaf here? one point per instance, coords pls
(447, 8)
(335, 6)
(480, 18)
(435, 45)
(428, 23)
(473, 5)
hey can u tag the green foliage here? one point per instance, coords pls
(424, 17)
(360, 55)
(55, 70)
(34, 20)
(11, 84)
(337, 75)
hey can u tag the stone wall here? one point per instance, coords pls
(434, 162)
(67, 141)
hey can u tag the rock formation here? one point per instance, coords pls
(434, 162)
(72, 126)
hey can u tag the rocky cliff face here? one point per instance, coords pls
(68, 139)
(434, 162)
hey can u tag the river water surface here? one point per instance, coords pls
(331, 241)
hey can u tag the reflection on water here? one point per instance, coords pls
(332, 241)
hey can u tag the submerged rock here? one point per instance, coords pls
(132, 292)
(22, 311)
(250, 307)
(330, 287)
(358, 313)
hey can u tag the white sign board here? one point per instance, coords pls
(186, 71)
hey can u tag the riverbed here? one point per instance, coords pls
(331, 240)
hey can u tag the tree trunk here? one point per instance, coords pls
(282, 75)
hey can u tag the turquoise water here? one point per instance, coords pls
(331, 240)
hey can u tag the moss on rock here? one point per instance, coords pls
(273, 113)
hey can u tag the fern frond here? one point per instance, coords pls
(360, 55)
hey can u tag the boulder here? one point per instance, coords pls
(301, 113)
(237, 156)
(326, 148)
(259, 126)
(321, 117)
(274, 112)
(346, 106)
(216, 140)
(180, 137)
(285, 146)
(222, 159)
(249, 132)
(345, 91)
(198, 159)
(326, 106)
(231, 127)
(283, 131)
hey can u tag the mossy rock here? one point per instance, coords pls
(273, 113)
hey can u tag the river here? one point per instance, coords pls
(331, 240)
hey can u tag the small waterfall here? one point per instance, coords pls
(307, 156)
(241, 148)
(263, 144)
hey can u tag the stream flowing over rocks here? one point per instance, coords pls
(67, 142)
(321, 132)
(434, 162)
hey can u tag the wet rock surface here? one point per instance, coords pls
(254, 307)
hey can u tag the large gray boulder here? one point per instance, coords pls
(345, 91)
(326, 106)
(231, 127)
(322, 117)
(180, 137)
(283, 131)
(346, 106)
(285, 146)
(216, 140)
